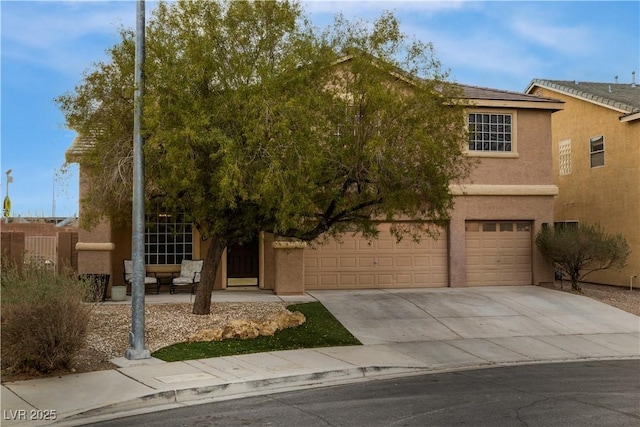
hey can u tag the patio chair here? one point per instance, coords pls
(148, 280)
(189, 275)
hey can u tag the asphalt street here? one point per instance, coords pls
(594, 393)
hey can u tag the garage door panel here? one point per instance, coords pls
(348, 262)
(439, 261)
(385, 279)
(507, 260)
(329, 262)
(420, 261)
(347, 246)
(402, 279)
(406, 244)
(311, 262)
(488, 260)
(507, 244)
(404, 261)
(366, 279)
(385, 263)
(381, 245)
(472, 243)
(331, 245)
(437, 278)
(473, 260)
(366, 262)
(498, 255)
(489, 243)
(329, 280)
(349, 279)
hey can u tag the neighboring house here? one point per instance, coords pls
(596, 161)
(489, 240)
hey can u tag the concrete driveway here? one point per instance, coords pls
(513, 323)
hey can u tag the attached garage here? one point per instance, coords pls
(498, 253)
(354, 262)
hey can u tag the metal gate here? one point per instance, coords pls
(41, 250)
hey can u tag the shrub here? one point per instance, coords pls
(581, 250)
(44, 319)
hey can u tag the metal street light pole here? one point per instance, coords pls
(136, 348)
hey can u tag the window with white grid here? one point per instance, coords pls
(490, 132)
(564, 157)
(168, 239)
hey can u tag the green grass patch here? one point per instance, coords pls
(321, 329)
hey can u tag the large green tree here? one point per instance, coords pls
(255, 121)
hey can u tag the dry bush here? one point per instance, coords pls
(44, 319)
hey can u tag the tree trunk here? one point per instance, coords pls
(574, 283)
(202, 303)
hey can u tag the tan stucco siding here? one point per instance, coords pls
(609, 194)
(533, 162)
(93, 261)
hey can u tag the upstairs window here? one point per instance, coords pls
(596, 147)
(168, 239)
(490, 132)
(564, 157)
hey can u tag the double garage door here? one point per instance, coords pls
(355, 262)
(497, 253)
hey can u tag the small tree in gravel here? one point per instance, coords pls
(580, 250)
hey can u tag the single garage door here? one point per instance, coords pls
(382, 263)
(498, 253)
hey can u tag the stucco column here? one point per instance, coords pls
(289, 267)
(13, 247)
(457, 253)
(94, 251)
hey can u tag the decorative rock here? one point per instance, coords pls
(248, 329)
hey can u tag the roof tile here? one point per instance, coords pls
(622, 96)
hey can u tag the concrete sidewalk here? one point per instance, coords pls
(403, 331)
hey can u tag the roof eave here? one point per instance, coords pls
(78, 149)
(501, 103)
(630, 117)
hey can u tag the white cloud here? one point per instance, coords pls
(362, 8)
(481, 53)
(561, 38)
(61, 35)
(46, 24)
(361, 5)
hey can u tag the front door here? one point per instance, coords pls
(243, 264)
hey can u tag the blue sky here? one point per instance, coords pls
(47, 45)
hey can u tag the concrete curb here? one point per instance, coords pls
(168, 399)
(205, 394)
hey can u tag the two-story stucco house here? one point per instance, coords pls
(488, 241)
(596, 161)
